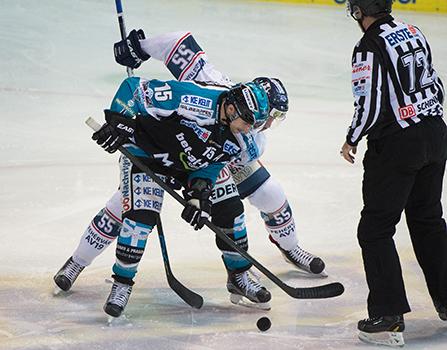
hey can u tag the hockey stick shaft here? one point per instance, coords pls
(119, 13)
(324, 291)
(191, 298)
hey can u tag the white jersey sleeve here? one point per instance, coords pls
(184, 58)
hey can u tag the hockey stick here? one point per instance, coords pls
(191, 298)
(183, 292)
(319, 292)
(119, 13)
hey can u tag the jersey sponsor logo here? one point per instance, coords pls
(427, 104)
(231, 148)
(125, 188)
(360, 67)
(197, 101)
(202, 133)
(361, 78)
(147, 194)
(222, 192)
(188, 109)
(126, 106)
(195, 69)
(189, 161)
(148, 191)
(407, 112)
(95, 240)
(401, 35)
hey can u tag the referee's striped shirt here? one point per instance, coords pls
(393, 81)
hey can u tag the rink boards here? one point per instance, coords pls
(439, 6)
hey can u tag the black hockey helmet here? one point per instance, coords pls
(250, 101)
(277, 94)
(368, 7)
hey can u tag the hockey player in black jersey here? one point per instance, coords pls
(398, 105)
(190, 132)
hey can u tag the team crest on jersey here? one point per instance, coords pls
(202, 133)
(145, 93)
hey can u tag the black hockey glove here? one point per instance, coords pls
(115, 132)
(128, 52)
(198, 208)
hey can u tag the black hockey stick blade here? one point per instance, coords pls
(191, 298)
(318, 292)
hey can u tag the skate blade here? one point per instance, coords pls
(57, 291)
(395, 339)
(118, 321)
(237, 299)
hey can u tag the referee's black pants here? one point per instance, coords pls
(404, 171)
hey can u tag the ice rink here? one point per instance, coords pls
(57, 68)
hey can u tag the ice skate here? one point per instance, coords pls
(304, 261)
(441, 310)
(247, 292)
(67, 275)
(117, 300)
(384, 330)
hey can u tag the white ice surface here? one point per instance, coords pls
(57, 68)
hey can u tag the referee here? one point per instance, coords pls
(398, 104)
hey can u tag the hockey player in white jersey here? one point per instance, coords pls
(187, 61)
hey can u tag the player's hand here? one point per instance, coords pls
(198, 207)
(348, 152)
(115, 132)
(128, 52)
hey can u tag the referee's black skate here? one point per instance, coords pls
(441, 310)
(67, 275)
(118, 298)
(383, 330)
(247, 292)
(304, 260)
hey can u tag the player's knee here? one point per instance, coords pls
(269, 197)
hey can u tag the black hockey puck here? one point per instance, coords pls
(263, 324)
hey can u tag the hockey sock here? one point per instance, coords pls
(101, 231)
(281, 227)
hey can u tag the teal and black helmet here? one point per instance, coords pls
(250, 101)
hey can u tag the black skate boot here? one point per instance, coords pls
(441, 310)
(118, 297)
(66, 276)
(240, 285)
(304, 260)
(383, 330)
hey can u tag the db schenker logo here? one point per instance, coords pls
(400, 1)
